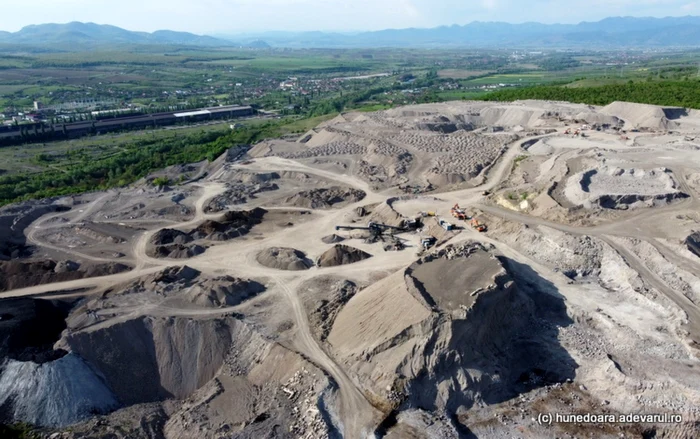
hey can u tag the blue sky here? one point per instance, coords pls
(236, 16)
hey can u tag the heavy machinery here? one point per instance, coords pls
(413, 223)
(479, 227)
(445, 225)
(427, 241)
(375, 229)
(427, 214)
(458, 213)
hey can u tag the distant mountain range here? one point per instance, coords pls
(615, 32)
(91, 34)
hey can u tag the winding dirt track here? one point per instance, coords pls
(358, 416)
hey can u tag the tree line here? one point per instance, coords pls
(684, 93)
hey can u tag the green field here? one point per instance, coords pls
(157, 78)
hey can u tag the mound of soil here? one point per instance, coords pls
(325, 198)
(332, 239)
(284, 259)
(231, 225)
(170, 236)
(183, 285)
(176, 251)
(15, 274)
(693, 243)
(239, 193)
(342, 255)
(176, 244)
(176, 274)
(223, 291)
(640, 115)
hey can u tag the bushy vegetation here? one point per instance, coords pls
(134, 161)
(684, 93)
(17, 431)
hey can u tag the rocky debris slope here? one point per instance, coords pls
(324, 198)
(212, 377)
(474, 342)
(16, 274)
(53, 394)
(341, 255)
(176, 244)
(324, 297)
(243, 187)
(681, 280)
(574, 256)
(284, 259)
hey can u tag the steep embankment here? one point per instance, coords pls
(471, 334)
(150, 358)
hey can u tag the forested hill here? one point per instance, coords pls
(667, 93)
(81, 34)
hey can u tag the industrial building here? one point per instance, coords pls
(15, 134)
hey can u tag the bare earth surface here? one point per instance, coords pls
(226, 307)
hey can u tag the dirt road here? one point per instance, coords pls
(359, 417)
(237, 258)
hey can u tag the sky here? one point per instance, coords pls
(238, 16)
